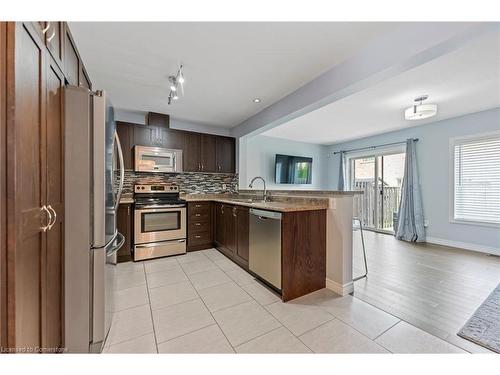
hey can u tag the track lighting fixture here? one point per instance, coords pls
(175, 80)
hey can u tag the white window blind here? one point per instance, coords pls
(477, 180)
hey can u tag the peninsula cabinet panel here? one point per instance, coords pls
(303, 257)
(225, 155)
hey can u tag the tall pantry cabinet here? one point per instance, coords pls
(34, 69)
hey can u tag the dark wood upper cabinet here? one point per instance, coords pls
(201, 152)
(172, 138)
(192, 152)
(158, 119)
(225, 154)
(71, 61)
(124, 131)
(208, 153)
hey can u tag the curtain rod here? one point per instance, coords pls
(373, 147)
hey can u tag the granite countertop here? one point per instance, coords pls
(279, 200)
(280, 206)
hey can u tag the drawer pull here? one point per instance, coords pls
(197, 224)
(197, 236)
(198, 215)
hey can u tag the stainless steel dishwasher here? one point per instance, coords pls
(265, 246)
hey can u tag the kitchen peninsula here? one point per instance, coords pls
(316, 234)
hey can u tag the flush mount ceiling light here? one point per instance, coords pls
(256, 100)
(175, 81)
(419, 111)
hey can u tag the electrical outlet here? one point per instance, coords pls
(426, 223)
(224, 187)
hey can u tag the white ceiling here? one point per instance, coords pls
(464, 81)
(226, 64)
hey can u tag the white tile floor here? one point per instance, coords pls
(202, 302)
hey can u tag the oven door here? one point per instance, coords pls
(159, 224)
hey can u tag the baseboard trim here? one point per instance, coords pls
(464, 245)
(339, 288)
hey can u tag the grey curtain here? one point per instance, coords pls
(410, 216)
(341, 186)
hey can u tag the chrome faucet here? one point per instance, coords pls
(264, 192)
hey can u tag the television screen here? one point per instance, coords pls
(293, 169)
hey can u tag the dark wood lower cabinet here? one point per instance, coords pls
(124, 222)
(199, 226)
(231, 232)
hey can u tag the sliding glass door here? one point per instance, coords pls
(380, 177)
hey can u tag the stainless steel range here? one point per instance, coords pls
(159, 221)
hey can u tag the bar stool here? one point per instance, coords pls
(358, 219)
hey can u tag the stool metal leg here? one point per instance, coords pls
(364, 251)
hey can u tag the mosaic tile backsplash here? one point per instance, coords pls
(188, 182)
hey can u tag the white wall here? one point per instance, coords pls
(257, 157)
(433, 163)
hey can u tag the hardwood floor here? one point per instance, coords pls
(435, 288)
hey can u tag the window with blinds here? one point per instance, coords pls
(477, 180)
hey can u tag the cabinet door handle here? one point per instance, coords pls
(197, 236)
(199, 166)
(219, 167)
(49, 217)
(47, 27)
(52, 36)
(202, 166)
(197, 215)
(197, 205)
(53, 217)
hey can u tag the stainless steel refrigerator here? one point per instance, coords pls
(91, 202)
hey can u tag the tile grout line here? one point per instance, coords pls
(204, 304)
(395, 324)
(150, 309)
(251, 297)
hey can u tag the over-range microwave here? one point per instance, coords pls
(157, 159)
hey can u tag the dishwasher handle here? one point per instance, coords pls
(264, 215)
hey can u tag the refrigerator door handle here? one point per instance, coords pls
(122, 171)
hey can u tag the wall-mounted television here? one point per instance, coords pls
(293, 169)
